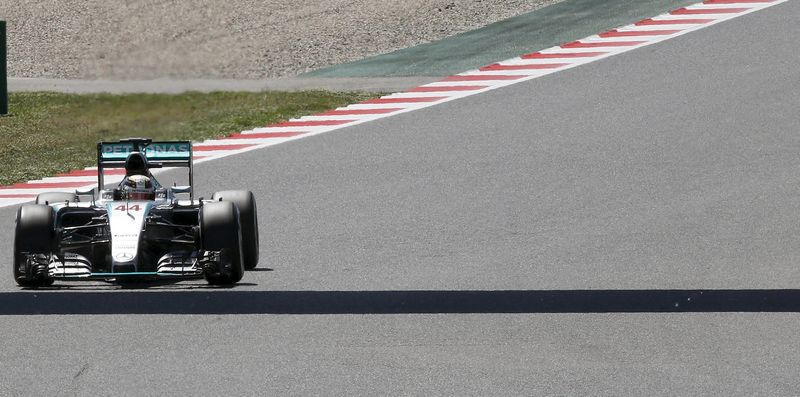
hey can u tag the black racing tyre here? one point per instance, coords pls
(33, 234)
(248, 217)
(55, 197)
(220, 231)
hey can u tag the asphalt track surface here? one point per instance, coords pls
(644, 211)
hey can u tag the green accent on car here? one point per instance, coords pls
(133, 275)
(154, 151)
(128, 274)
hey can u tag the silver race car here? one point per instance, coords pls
(139, 229)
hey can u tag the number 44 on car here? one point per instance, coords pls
(137, 229)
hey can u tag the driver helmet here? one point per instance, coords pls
(139, 187)
(136, 164)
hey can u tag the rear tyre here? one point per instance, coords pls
(56, 197)
(33, 234)
(220, 231)
(245, 201)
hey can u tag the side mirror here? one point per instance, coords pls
(86, 192)
(181, 189)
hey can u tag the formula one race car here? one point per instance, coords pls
(138, 229)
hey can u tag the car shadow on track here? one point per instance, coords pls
(397, 302)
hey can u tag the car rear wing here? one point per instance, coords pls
(159, 154)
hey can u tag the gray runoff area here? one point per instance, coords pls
(539, 29)
(626, 227)
(400, 70)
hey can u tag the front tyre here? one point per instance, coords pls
(33, 236)
(220, 232)
(245, 201)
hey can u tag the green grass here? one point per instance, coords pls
(50, 133)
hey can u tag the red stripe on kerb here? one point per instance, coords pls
(348, 112)
(533, 66)
(378, 101)
(539, 55)
(684, 11)
(651, 22)
(616, 33)
(314, 123)
(580, 44)
(261, 135)
(13, 196)
(45, 185)
(449, 88)
(209, 148)
(487, 77)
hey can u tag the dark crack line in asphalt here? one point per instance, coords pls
(81, 371)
